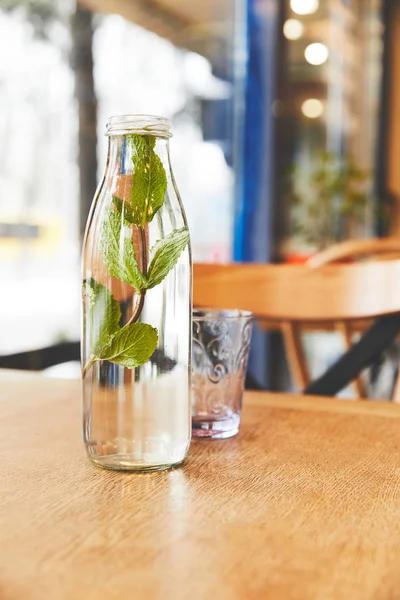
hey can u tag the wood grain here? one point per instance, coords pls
(303, 504)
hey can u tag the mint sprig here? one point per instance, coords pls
(133, 344)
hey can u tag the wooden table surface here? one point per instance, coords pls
(303, 504)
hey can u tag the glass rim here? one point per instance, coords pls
(221, 314)
(141, 124)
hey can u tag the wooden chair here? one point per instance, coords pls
(377, 248)
(355, 250)
(291, 297)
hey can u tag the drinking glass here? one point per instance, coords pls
(220, 350)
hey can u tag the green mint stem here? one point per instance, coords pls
(88, 365)
(139, 307)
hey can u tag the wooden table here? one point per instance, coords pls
(303, 504)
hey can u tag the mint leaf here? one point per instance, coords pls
(133, 345)
(149, 180)
(140, 144)
(118, 252)
(165, 255)
(104, 315)
(123, 209)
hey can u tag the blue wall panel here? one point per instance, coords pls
(254, 201)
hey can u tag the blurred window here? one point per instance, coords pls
(330, 89)
(143, 63)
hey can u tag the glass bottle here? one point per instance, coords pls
(136, 338)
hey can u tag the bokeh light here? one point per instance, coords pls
(293, 29)
(304, 7)
(316, 54)
(312, 108)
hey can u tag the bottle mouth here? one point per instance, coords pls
(140, 124)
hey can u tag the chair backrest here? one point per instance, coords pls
(291, 295)
(298, 293)
(378, 248)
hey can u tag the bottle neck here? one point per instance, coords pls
(123, 154)
(146, 156)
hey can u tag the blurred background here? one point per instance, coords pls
(286, 121)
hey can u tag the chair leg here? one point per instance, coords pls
(396, 392)
(345, 329)
(295, 354)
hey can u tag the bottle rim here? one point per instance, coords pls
(140, 124)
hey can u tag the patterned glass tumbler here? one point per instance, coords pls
(220, 350)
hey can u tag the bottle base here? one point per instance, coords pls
(129, 462)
